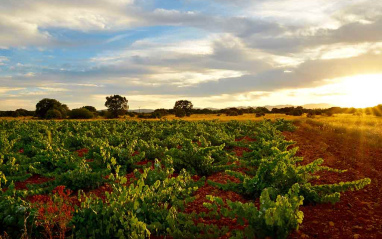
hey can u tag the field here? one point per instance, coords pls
(345, 142)
(193, 178)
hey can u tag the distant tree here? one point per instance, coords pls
(262, 110)
(81, 113)
(90, 108)
(184, 105)
(46, 105)
(117, 105)
(22, 112)
(53, 114)
(15, 114)
(180, 113)
(232, 112)
(159, 113)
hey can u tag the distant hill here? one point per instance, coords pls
(141, 110)
(318, 106)
(306, 106)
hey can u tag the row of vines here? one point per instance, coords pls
(127, 179)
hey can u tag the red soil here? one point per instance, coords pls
(34, 179)
(359, 213)
(81, 152)
(245, 138)
(200, 198)
(239, 151)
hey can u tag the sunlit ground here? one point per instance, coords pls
(368, 128)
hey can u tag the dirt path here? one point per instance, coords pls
(359, 213)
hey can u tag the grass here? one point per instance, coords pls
(366, 129)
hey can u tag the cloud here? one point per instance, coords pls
(3, 59)
(4, 90)
(309, 74)
(25, 23)
(28, 23)
(245, 53)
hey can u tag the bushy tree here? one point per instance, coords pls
(53, 114)
(15, 114)
(117, 105)
(22, 112)
(231, 113)
(90, 108)
(46, 105)
(262, 110)
(180, 113)
(184, 105)
(81, 113)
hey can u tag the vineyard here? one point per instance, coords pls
(157, 179)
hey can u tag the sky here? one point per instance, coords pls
(215, 53)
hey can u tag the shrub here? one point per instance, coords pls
(131, 114)
(15, 114)
(53, 114)
(90, 108)
(232, 113)
(156, 115)
(81, 113)
(180, 113)
(46, 105)
(260, 114)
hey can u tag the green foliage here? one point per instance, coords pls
(90, 108)
(51, 109)
(137, 210)
(81, 177)
(14, 215)
(183, 108)
(116, 105)
(276, 167)
(80, 154)
(203, 160)
(274, 218)
(81, 113)
(180, 113)
(53, 114)
(231, 113)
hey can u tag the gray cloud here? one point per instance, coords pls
(239, 54)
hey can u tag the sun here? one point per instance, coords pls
(362, 91)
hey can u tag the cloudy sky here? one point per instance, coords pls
(216, 53)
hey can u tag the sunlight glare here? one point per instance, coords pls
(362, 90)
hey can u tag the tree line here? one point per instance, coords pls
(118, 106)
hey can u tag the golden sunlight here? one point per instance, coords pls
(362, 90)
